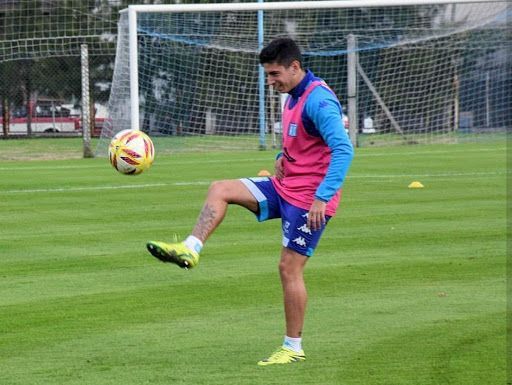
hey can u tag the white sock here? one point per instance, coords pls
(194, 243)
(293, 343)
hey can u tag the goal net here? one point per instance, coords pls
(429, 72)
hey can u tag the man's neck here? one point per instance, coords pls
(302, 75)
(299, 88)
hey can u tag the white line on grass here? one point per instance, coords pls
(176, 161)
(440, 175)
(120, 187)
(203, 183)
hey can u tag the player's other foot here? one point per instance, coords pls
(176, 253)
(283, 356)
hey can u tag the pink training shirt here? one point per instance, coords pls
(306, 159)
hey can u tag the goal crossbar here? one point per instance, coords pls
(261, 6)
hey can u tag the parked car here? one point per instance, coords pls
(50, 116)
(46, 116)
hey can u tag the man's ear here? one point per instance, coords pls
(295, 66)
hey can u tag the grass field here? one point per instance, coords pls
(407, 286)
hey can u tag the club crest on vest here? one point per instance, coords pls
(292, 129)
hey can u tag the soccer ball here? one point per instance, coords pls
(131, 152)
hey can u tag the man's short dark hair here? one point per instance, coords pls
(282, 51)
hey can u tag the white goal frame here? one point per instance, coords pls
(133, 10)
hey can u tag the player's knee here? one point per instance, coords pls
(219, 189)
(288, 271)
(291, 265)
(283, 269)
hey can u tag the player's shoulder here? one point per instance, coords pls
(321, 92)
(322, 97)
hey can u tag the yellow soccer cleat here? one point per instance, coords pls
(283, 356)
(176, 253)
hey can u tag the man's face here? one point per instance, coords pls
(282, 78)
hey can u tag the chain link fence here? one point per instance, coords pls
(40, 73)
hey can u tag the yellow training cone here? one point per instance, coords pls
(263, 173)
(416, 184)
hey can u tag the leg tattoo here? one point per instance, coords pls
(205, 222)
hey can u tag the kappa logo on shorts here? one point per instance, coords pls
(305, 229)
(292, 129)
(300, 241)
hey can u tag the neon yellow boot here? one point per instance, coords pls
(176, 253)
(283, 356)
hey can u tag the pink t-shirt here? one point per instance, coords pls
(306, 159)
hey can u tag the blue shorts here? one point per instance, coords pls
(296, 233)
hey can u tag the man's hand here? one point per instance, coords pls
(279, 168)
(316, 215)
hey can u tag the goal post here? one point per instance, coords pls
(189, 73)
(86, 99)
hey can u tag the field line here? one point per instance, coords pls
(438, 175)
(171, 159)
(109, 187)
(204, 183)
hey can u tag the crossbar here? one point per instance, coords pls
(281, 5)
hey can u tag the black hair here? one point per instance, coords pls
(282, 51)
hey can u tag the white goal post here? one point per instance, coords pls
(437, 32)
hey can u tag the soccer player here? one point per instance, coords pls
(304, 192)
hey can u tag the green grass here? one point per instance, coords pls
(407, 287)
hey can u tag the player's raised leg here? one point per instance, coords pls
(220, 194)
